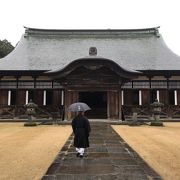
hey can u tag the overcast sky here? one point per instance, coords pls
(91, 14)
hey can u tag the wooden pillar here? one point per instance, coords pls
(145, 97)
(113, 104)
(178, 97)
(128, 97)
(17, 95)
(4, 97)
(27, 96)
(39, 94)
(157, 95)
(140, 98)
(62, 97)
(9, 97)
(163, 96)
(120, 104)
(175, 97)
(44, 97)
(70, 97)
(57, 99)
(122, 97)
(108, 105)
(21, 97)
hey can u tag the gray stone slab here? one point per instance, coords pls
(85, 177)
(49, 177)
(113, 141)
(73, 177)
(86, 169)
(120, 155)
(97, 149)
(96, 141)
(129, 170)
(97, 145)
(148, 170)
(132, 176)
(116, 150)
(124, 162)
(98, 155)
(65, 148)
(79, 162)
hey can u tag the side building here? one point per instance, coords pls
(111, 70)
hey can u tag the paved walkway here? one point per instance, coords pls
(108, 158)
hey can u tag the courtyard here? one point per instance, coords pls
(27, 152)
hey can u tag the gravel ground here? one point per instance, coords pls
(27, 152)
(158, 146)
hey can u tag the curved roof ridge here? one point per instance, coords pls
(99, 58)
(36, 31)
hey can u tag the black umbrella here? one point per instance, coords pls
(79, 106)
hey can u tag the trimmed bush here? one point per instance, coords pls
(30, 124)
(156, 123)
(134, 123)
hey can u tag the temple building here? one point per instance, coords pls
(110, 70)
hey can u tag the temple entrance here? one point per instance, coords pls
(96, 82)
(98, 103)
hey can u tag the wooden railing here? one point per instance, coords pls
(9, 112)
(171, 111)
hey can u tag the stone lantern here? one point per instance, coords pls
(156, 109)
(30, 109)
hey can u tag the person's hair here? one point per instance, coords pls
(80, 113)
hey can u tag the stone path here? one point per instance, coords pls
(108, 158)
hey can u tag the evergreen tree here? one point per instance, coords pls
(5, 48)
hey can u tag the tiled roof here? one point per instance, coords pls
(135, 49)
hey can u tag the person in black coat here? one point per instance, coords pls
(81, 129)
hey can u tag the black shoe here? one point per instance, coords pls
(77, 154)
(81, 156)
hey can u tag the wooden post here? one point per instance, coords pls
(70, 97)
(120, 101)
(113, 104)
(108, 108)
(65, 105)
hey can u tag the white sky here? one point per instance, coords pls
(91, 14)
